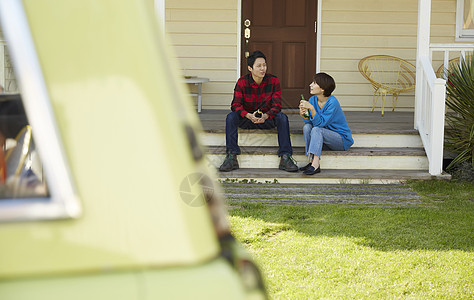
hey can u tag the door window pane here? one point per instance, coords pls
(468, 20)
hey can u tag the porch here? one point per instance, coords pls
(386, 150)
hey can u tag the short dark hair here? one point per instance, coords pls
(253, 57)
(326, 82)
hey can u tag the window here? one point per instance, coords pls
(21, 171)
(32, 186)
(465, 20)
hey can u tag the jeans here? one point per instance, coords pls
(317, 138)
(234, 121)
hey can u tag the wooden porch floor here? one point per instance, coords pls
(360, 122)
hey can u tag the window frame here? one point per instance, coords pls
(462, 35)
(63, 201)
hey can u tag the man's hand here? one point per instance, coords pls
(262, 119)
(255, 120)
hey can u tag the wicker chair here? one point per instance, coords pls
(441, 70)
(388, 75)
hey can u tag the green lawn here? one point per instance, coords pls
(339, 252)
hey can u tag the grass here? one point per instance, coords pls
(338, 252)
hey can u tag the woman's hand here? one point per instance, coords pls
(303, 112)
(304, 107)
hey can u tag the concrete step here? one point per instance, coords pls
(249, 137)
(327, 176)
(396, 158)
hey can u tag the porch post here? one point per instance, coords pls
(2, 65)
(422, 49)
(437, 127)
(160, 12)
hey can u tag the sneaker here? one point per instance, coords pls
(305, 167)
(287, 163)
(230, 163)
(311, 170)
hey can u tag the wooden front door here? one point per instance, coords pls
(284, 30)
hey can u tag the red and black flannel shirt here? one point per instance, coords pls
(250, 97)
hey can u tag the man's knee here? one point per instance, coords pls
(281, 118)
(232, 118)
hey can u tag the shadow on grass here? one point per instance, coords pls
(446, 222)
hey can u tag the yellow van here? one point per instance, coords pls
(105, 190)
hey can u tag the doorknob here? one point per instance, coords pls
(247, 28)
(247, 33)
(247, 36)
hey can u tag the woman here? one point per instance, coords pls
(326, 125)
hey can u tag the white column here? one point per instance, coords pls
(160, 12)
(422, 49)
(2, 64)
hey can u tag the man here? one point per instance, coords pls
(257, 105)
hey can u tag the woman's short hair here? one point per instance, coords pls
(326, 82)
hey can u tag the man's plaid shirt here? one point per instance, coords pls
(249, 97)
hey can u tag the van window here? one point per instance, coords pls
(35, 180)
(21, 170)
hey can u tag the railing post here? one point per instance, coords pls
(437, 127)
(2, 64)
(422, 49)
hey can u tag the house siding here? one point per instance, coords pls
(204, 35)
(7, 76)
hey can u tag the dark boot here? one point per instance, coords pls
(230, 163)
(287, 163)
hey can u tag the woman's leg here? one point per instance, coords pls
(323, 136)
(316, 145)
(307, 139)
(332, 140)
(307, 136)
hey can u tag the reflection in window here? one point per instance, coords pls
(468, 15)
(465, 20)
(21, 172)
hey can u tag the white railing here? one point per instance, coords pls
(430, 114)
(447, 50)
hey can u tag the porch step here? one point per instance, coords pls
(327, 176)
(249, 137)
(397, 158)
